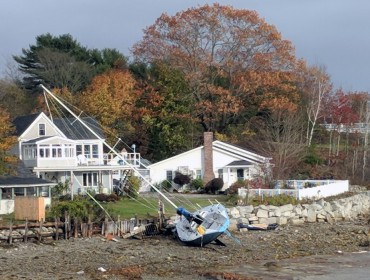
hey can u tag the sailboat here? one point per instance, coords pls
(197, 228)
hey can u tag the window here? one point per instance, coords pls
(221, 173)
(240, 174)
(7, 193)
(198, 174)
(79, 150)
(41, 129)
(169, 175)
(31, 191)
(29, 151)
(56, 151)
(68, 150)
(95, 153)
(90, 179)
(87, 152)
(19, 191)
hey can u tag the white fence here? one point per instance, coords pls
(309, 189)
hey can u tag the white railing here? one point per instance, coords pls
(132, 159)
(310, 189)
(350, 128)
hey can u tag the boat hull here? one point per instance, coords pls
(214, 222)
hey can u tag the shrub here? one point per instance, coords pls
(79, 209)
(237, 185)
(214, 185)
(277, 200)
(197, 184)
(60, 189)
(101, 197)
(133, 186)
(181, 179)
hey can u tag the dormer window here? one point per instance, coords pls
(41, 129)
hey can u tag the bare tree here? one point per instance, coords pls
(316, 86)
(280, 137)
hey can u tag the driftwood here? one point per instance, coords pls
(138, 232)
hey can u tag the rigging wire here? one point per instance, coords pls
(90, 120)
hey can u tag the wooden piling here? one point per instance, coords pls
(25, 237)
(10, 237)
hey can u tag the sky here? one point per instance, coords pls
(330, 33)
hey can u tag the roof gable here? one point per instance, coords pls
(25, 124)
(67, 127)
(240, 154)
(21, 123)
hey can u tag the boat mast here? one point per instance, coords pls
(106, 144)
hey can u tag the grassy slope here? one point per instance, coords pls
(148, 206)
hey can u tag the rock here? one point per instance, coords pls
(262, 213)
(234, 212)
(311, 215)
(287, 207)
(281, 220)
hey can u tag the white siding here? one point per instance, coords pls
(32, 131)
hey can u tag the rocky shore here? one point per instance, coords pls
(335, 210)
(163, 257)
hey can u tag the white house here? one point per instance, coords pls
(215, 159)
(63, 150)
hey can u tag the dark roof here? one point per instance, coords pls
(23, 171)
(12, 180)
(73, 129)
(24, 176)
(240, 163)
(23, 122)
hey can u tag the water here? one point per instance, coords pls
(338, 267)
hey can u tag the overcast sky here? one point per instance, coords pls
(332, 33)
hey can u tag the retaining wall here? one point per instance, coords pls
(320, 211)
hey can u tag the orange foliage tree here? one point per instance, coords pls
(110, 98)
(6, 142)
(231, 59)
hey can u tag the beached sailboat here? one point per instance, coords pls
(197, 228)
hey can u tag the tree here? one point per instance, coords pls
(278, 134)
(341, 114)
(163, 111)
(316, 87)
(110, 98)
(6, 142)
(230, 59)
(14, 99)
(61, 61)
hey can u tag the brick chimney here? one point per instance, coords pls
(208, 174)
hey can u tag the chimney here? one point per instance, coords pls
(208, 174)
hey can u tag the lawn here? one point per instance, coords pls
(147, 205)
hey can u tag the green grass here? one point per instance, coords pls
(145, 207)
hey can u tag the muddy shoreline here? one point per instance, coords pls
(163, 257)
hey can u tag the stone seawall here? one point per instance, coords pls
(320, 211)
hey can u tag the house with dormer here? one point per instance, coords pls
(215, 159)
(64, 150)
